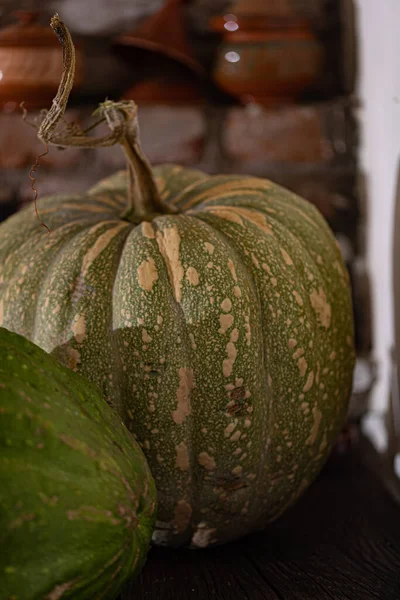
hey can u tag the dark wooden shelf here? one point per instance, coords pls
(340, 542)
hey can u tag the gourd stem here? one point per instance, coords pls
(121, 118)
(143, 197)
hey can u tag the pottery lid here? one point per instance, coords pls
(165, 33)
(259, 8)
(161, 90)
(257, 14)
(27, 32)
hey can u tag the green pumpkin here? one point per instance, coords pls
(77, 501)
(215, 315)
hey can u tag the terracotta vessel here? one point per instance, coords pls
(162, 90)
(30, 63)
(173, 74)
(265, 58)
(163, 33)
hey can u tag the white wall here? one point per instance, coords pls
(379, 91)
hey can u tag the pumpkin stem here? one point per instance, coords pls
(121, 117)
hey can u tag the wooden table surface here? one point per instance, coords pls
(340, 542)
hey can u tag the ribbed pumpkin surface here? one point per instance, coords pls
(77, 501)
(223, 335)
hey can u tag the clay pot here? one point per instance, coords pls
(163, 33)
(31, 63)
(162, 90)
(263, 58)
(173, 75)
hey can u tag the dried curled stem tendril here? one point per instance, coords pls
(51, 118)
(34, 166)
(33, 181)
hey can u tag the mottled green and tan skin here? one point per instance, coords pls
(222, 335)
(218, 324)
(77, 500)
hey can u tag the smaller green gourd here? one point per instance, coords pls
(77, 499)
